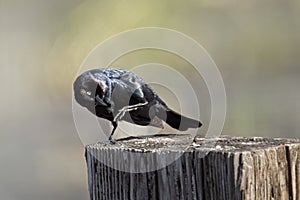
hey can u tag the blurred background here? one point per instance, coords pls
(254, 43)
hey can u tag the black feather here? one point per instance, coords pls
(117, 94)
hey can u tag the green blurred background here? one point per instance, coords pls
(42, 43)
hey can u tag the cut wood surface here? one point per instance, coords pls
(176, 167)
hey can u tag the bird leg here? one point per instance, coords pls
(120, 114)
(115, 125)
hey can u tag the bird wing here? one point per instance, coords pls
(134, 86)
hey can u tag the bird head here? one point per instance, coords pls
(88, 86)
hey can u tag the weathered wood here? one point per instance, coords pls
(222, 168)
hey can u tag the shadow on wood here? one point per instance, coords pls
(177, 168)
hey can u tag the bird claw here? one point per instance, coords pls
(109, 142)
(112, 141)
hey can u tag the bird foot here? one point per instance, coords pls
(109, 142)
(112, 141)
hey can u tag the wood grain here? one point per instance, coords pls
(178, 168)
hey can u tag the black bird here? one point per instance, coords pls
(118, 94)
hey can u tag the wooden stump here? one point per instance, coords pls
(176, 168)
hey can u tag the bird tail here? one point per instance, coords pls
(180, 122)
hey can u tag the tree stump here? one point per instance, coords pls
(176, 167)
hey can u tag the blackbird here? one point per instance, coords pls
(118, 94)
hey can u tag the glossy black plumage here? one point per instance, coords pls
(117, 94)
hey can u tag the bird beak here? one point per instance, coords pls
(99, 101)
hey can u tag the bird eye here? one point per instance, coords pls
(82, 91)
